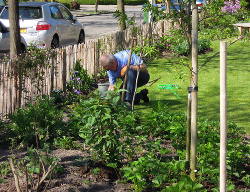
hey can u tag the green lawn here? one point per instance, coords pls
(172, 71)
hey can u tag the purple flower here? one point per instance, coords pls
(76, 72)
(231, 7)
(77, 92)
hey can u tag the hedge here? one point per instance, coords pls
(105, 2)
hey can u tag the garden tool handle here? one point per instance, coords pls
(128, 65)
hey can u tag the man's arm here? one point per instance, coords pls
(134, 67)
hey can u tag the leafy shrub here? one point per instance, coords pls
(157, 13)
(106, 2)
(216, 24)
(208, 157)
(147, 52)
(105, 125)
(80, 84)
(168, 125)
(37, 123)
(184, 49)
(37, 166)
(163, 124)
(181, 49)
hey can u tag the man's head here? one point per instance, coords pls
(108, 62)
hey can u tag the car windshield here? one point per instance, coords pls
(24, 13)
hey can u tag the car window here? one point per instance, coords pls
(24, 13)
(2, 2)
(55, 12)
(66, 14)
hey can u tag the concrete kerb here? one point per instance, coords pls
(102, 9)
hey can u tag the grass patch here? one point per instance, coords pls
(172, 71)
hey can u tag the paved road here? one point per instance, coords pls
(98, 25)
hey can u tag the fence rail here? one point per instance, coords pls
(56, 76)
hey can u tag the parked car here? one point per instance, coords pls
(180, 4)
(46, 24)
(2, 4)
(5, 40)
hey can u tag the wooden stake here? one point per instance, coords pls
(194, 85)
(126, 74)
(188, 127)
(223, 115)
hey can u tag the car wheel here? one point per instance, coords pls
(81, 37)
(23, 48)
(55, 43)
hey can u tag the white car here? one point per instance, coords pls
(46, 24)
(5, 40)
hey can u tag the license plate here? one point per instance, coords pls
(23, 30)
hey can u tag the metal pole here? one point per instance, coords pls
(223, 115)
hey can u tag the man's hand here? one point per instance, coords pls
(111, 88)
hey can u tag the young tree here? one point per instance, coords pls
(15, 39)
(96, 5)
(121, 10)
(194, 87)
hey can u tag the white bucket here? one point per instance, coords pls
(103, 88)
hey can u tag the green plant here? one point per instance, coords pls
(185, 184)
(168, 125)
(148, 52)
(157, 13)
(37, 123)
(183, 48)
(35, 168)
(101, 77)
(216, 24)
(80, 84)
(130, 21)
(105, 126)
(65, 143)
(96, 171)
(150, 172)
(4, 169)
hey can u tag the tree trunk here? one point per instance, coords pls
(120, 8)
(14, 28)
(96, 5)
(194, 86)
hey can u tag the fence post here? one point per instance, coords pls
(223, 115)
(64, 69)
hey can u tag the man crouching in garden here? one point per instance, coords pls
(116, 66)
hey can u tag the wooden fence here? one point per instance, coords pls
(56, 76)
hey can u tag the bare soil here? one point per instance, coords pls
(77, 175)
